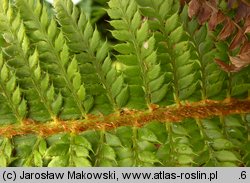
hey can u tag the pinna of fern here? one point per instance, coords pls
(93, 57)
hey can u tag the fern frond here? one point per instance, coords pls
(137, 53)
(5, 151)
(52, 49)
(212, 78)
(215, 83)
(72, 150)
(93, 54)
(174, 53)
(18, 55)
(73, 27)
(237, 83)
(222, 143)
(11, 92)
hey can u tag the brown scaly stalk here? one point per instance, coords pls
(137, 118)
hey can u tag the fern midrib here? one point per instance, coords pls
(135, 146)
(64, 74)
(207, 142)
(140, 60)
(28, 160)
(221, 117)
(171, 160)
(44, 101)
(175, 78)
(229, 90)
(100, 145)
(226, 133)
(203, 67)
(70, 152)
(143, 72)
(102, 78)
(170, 51)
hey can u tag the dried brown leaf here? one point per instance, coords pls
(213, 3)
(194, 7)
(241, 61)
(247, 30)
(224, 66)
(245, 48)
(237, 62)
(227, 30)
(215, 19)
(205, 13)
(247, 2)
(247, 21)
(247, 25)
(245, 56)
(238, 39)
(243, 11)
